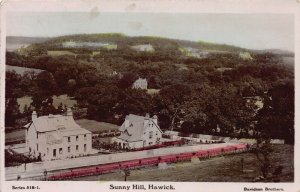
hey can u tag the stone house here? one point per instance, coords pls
(138, 131)
(57, 137)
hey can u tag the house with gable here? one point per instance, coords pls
(138, 131)
(57, 137)
(140, 84)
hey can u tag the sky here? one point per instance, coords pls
(253, 31)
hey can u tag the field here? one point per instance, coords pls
(153, 91)
(59, 53)
(57, 100)
(15, 136)
(95, 126)
(219, 169)
(21, 70)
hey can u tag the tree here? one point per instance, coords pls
(169, 103)
(12, 112)
(127, 80)
(274, 120)
(42, 95)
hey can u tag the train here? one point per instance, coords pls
(151, 161)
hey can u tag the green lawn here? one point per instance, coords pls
(219, 169)
(95, 126)
(153, 91)
(59, 53)
(15, 136)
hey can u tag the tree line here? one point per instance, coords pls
(200, 99)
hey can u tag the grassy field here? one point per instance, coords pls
(95, 126)
(59, 53)
(153, 91)
(219, 169)
(21, 70)
(15, 136)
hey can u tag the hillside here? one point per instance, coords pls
(122, 40)
(25, 40)
(192, 86)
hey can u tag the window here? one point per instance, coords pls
(60, 151)
(156, 132)
(47, 151)
(77, 147)
(37, 135)
(69, 139)
(84, 147)
(69, 149)
(85, 137)
(54, 152)
(150, 134)
(37, 147)
(150, 143)
(76, 138)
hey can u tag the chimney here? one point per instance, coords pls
(69, 112)
(147, 115)
(146, 119)
(51, 121)
(154, 118)
(34, 116)
(126, 121)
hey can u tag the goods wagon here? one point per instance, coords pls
(107, 168)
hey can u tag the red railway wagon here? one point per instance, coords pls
(202, 153)
(240, 147)
(215, 152)
(184, 156)
(168, 159)
(130, 164)
(228, 149)
(149, 161)
(109, 167)
(106, 168)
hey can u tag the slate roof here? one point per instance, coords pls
(65, 124)
(136, 128)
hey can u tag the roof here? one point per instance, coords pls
(136, 128)
(65, 124)
(140, 80)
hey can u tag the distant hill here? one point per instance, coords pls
(13, 42)
(277, 52)
(25, 40)
(119, 39)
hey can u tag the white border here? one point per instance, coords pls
(168, 6)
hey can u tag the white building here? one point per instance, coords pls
(138, 131)
(57, 137)
(140, 84)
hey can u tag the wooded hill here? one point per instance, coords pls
(203, 87)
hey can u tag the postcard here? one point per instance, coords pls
(149, 96)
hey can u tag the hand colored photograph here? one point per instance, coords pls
(118, 96)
